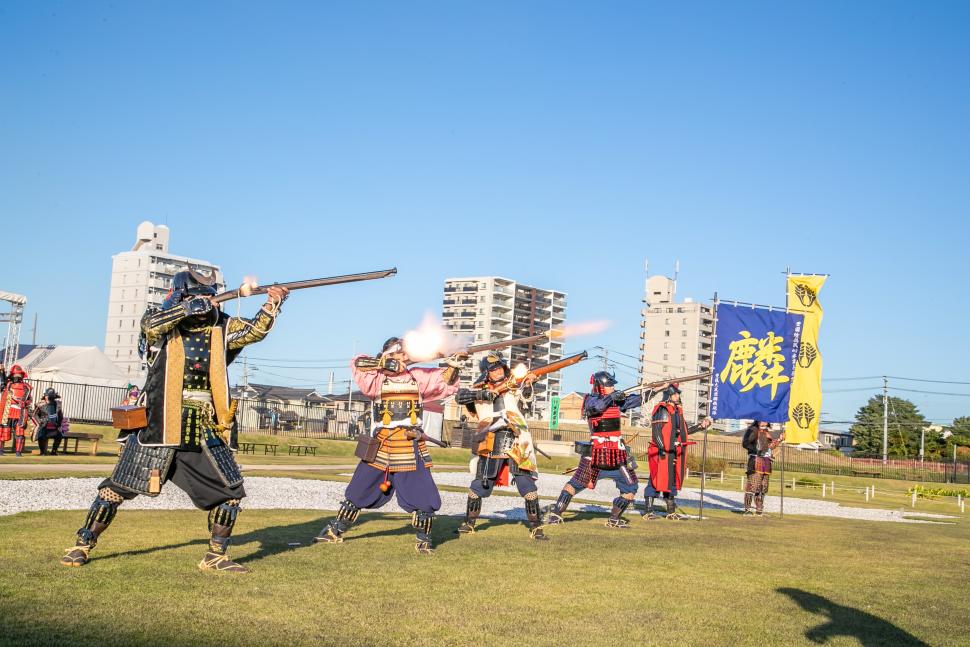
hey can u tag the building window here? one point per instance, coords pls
(132, 323)
(122, 310)
(667, 321)
(666, 344)
(683, 333)
(683, 344)
(665, 355)
(666, 333)
(119, 339)
(120, 323)
(685, 321)
(683, 358)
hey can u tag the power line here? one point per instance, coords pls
(916, 379)
(962, 395)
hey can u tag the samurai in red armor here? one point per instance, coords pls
(605, 455)
(760, 445)
(503, 445)
(15, 409)
(667, 454)
(394, 458)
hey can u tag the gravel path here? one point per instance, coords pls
(286, 493)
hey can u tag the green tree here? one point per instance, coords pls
(905, 425)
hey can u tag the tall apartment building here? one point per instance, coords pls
(493, 308)
(141, 278)
(677, 339)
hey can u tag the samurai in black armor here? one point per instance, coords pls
(189, 413)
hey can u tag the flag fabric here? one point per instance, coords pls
(754, 358)
(805, 404)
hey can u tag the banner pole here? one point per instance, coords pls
(783, 479)
(710, 391)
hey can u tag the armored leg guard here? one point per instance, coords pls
(100, 515)
(553, 514)
(759, 504)
(221, 520)
(748, 499)
(42, 444)
(472, 510)
(648, 512)
(422, 522)
(18, 444)
(620, 505)
(333, 532)
(532, 513)
(672, 513)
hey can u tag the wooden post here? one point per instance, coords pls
(782, 514)
(823, 490)
(913, 504)
(700, 511)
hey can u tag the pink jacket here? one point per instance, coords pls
(431, 385)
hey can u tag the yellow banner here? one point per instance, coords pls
(805, 405)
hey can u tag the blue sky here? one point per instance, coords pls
(560, 144)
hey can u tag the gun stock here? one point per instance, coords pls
(545, 369)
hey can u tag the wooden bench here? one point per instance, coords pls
(874, 475)
(250, 448)
(77, 437)
(738, 464)
(303, 450)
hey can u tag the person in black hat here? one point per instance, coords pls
(49, 417)
(667, 454)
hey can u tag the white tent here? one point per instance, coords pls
(73, 365)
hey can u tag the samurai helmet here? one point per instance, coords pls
(51, 394)
(670, 391)
(392, 345)
(491, 361)
(602, 379)
(187, 284)
(17, 372)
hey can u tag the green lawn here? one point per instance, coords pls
(728, 580)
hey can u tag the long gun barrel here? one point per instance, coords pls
(495, 345)
(229, 295)
(679, 380)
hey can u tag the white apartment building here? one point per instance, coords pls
(493, 308)
(676, 339)
(141, 278)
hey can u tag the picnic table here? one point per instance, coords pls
(77, 437)
(250, 448)
(303, 450)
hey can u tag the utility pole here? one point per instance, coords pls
(885, 418)
(33, 339)
(245, 372)
(606, 360)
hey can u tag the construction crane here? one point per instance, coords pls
(13, 319)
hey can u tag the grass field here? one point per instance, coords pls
(726, 580)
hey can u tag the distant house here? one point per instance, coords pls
(267, 407)
(840, 440)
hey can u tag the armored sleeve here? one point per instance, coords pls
(243, 332)
(450, 375)
(660, 419)
(632, 401)
(749, 442)
(155, 324)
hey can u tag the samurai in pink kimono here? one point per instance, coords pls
(394, 458)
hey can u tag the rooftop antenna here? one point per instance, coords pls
(676, 274)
